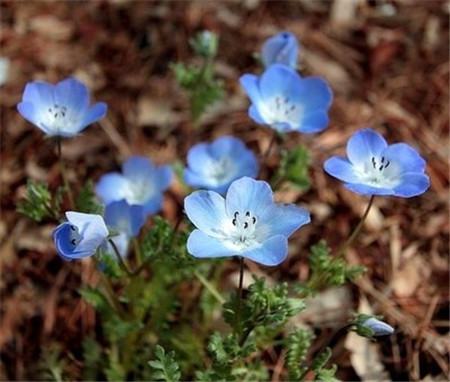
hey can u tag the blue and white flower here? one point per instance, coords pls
(280, 49)
(125, 221)
(62, 110)
(247, 223)
(377, 327)
(141, 182)
(214, 166)
(373, 167)
(80, 236)
(285, 101)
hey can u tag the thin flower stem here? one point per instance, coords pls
(210, 287)
(62, 169)
(269, 148)
(111, 295)
(241, 281)
(137, 252)
(119, 258)
(357, 229)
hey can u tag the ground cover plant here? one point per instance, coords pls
(200, 209)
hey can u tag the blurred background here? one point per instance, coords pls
(388, 65)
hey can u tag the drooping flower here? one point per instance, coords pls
(80, 236)
(373, 167)
(59, 110)
(214, 166)
(280, 49)
(141, 182)
(285, 101)
(246, 223)
(377, 327)
(125, 221)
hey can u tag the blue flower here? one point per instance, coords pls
(375, 168)
(378, 328)
(80, 236)
(141, 183)
(285, 101)
(280, 49)
(214, 166)
(247, 223)
(59, 110)
(125, 221)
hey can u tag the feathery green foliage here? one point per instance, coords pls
(165, 366)
(39, 203)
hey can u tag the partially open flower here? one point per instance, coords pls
(80, 236)
(280, 49)
(59, 110)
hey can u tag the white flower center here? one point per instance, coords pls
(221, 170)
(243, 232)
(379, 172)
(58, 118)
(138, 192)
(281, 109)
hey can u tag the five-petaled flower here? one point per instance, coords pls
(141, 183)
(248, 223)
(59, 110)
(285, 101)
(125, 221)
(280, 49)
(80, 236)
(375, 168)
(214, 166)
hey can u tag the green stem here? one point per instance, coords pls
(241, 282)
(210, 287)
(119, 258)
(357, 229)
(62, 169)
(137, 252)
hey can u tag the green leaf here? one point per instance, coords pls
(297, 345)
(39, 204)
(294, 167)
(86, 200)
(92, 356)
(165, 366)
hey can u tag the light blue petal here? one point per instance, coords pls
(199, 158)
(341, 169)
(28, 111)
(94, 114)
(281, 48)
(206, 210)
(112, 186)
(405, 156)
(412, 184)
(364, 189)
(72, 94)
(163, 177)
(125, 218)
(137, 167)
(226, 146)
(279, 80)
(200, 245)
(250, 83)
(247, 194)
(40, 94)
(94, 232)
(314, 122)
(154, 204)
(270, 253)
(379, 328)
(313, 93)
(195, 180)
(365, 144)
(283, 220)
(254, 114)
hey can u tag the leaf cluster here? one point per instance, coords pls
(39, 203)
(294, 167)
(165, 366)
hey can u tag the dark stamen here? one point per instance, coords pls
(245, 225)
(254, 220)
(387, 164)
(247, 213)
(236, 214)
(73, 241)
(73, 228)
(373, 162)
(234, 222)
(382, 159)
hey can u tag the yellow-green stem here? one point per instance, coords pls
(210, 287)
(62, 169)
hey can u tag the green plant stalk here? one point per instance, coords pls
(137, 252)
(241, 282)
(62, 169)
(211, 289)
(119, 258)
